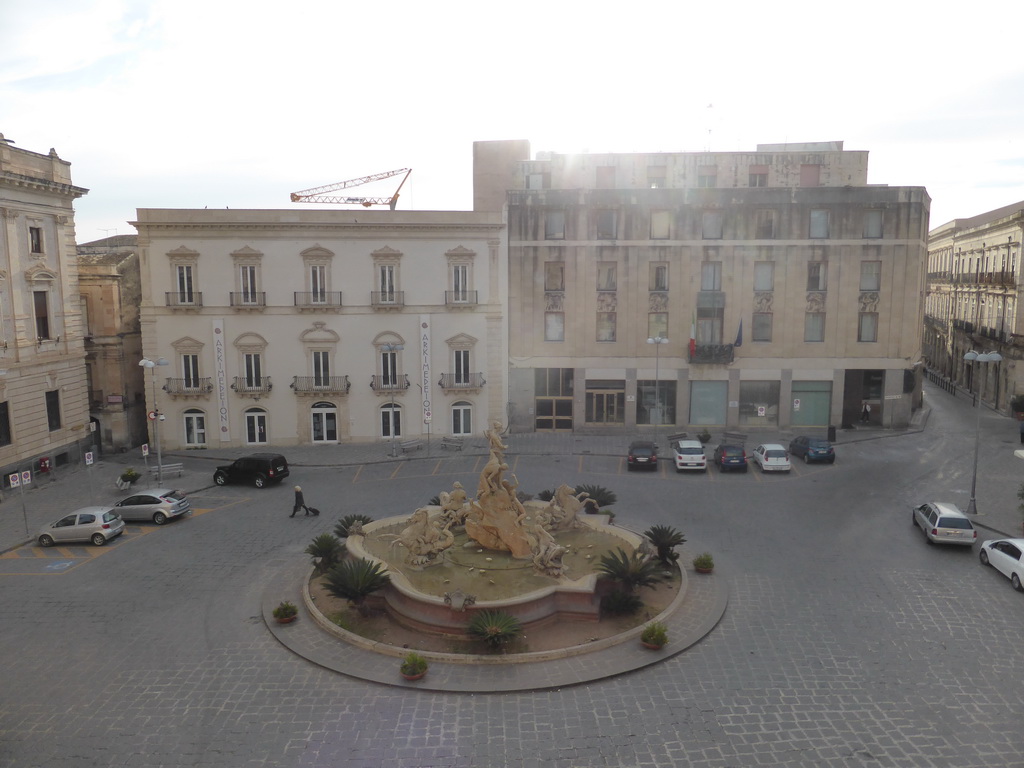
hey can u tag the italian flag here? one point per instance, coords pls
(693, 334)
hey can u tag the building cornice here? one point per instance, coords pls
(37, 184)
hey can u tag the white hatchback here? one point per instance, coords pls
(689, 455)
(772, 457)
(1007, 557)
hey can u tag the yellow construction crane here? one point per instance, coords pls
(321, 194)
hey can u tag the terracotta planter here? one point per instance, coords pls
(287, 619)
(703, 570)
(420, 676)
(652, 646)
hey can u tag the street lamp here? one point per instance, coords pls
(394, 384)
(657, 341)
(974, 357)
(158, 417)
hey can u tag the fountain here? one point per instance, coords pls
(533, 560)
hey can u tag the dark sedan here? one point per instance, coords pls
(812, 449)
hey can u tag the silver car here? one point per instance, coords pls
(96, 524)
(944, 524)
(156, 504)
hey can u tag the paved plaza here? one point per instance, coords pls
(846, 641)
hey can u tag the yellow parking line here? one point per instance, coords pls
(437, 467)
(355, 477)
(398, 469)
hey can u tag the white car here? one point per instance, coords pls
(944, 523)
(771, 457)
(1007, 557)
(95, 524)
(689, 455)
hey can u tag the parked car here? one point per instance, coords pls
(730, 457)
(642, 453)
(944, 524)
(156, 504)
(256, 468)
(812, 449)
(689, 455)
(1007, 557)
(96, 524)
(771, 457)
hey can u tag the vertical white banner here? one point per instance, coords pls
(425, 365)
(221, 379)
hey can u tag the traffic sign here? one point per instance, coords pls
(145, 449)
(88, 458)
(26, 477)
(15, 480)
(152, 415)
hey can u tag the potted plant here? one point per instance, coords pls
(654, 636)
(286, 612)
(413, 667)
(704, 563)
(704, 436)
(127, 477)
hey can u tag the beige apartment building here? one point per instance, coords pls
(288, 327)
(44, 414)
(973, 302)
(785, 289)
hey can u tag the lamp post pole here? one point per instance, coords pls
(158, 417)
(973, 357)
(391, 349)
(657, 341)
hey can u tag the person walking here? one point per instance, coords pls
(1020, 425)
(300, 502)
(865, 414)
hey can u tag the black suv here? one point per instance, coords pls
(256, 468)
(642, 453)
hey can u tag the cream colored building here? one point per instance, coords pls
(288, 327)
(790, 291)
(974, 284)
(44, 414)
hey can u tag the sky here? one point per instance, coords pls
(227, 103)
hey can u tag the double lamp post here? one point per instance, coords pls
(155, 416)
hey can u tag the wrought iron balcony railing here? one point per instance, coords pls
(713, 353)
(318, 300)
(248, 299)
(326, 384)
(463, 298)
(389, 384)
(194, 386)
(252, 385)
(387, 298)
(187, 299)
(462, 381)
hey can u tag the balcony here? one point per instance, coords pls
(254, 301)
(389, 385)
(189, 388)
(963, 325)
(460, 298)
(324, 301)
(461, 382)
(713, 354)
(252, 386)
(387, 300)
(1003, 279)
(320, 385)
(189, 301)
(938, 277)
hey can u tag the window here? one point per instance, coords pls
(386, 282)
(707, 176)
(35, 239)
(764, 224)
(247, 284)
(190, 371)
(872, 224)
(195, 427)
(711, 276)
(817, 273)
(758, 176)
(183, 273)
(867, 326)
(661, 221)
(606, 326)
(41, 303)
(606, 177)
(554, 276)
(711, 225)
(870, 275)
(537, 180)
(5, 424)
(606, 225)
(554, 326)
(256, 426)
(810, 175)
(659, 277)
(391, 420)
(655, 402)
(710, 320)
(461, 359)
(814, 326)
(462, 418)
(460, 282)
(389, 367)
(318, 283)
(53, 409)
(554, 225)
(762, 326)
(656, 177)
(253, 362)
(764, 275)
(606, 277)
(657, 325)
(321, 360)
(819, 223)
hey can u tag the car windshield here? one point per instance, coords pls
(955, 522)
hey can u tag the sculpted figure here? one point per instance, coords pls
(547, 553)
(565, 506)
(424, 539)
(454, 505)
(493, 436)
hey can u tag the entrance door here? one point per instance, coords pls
(462, 418)
(606, 401)
(256, 426)
(325, 423)
(553, 414)
(195, 427)
(391, 421)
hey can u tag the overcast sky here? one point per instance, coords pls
(196, 103)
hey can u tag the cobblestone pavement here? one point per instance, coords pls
(847, 640)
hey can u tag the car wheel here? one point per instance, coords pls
(983, 556)
(832, 460)
(913, 519)
(45, 541)
(259, 481)
(159, 518)
(807, 459)
(99, 539)
(220, 478)
(1015, 580)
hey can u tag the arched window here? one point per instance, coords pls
(256, 426)
(195, 427)
(324, 423)
(462, 418)
(391, 420)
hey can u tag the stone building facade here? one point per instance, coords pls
(789, 289)
(44, 413)
(317, 327)
(973, 302)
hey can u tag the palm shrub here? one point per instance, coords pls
(621, 603)
(355, 580)
(630, 571)
(495, 628)
(341, 529)
(546, 495)
(413, 664)
(326, 551)
(600, 494)
(665, 538)
(435, 501)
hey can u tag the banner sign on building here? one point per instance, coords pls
(221, 376)
(425, 365)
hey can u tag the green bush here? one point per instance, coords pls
(704, 561)
(356, 580)
(665, 538)
(413, 664)
(341, 529)
(495, 628)
(326, 551)
(621, 603)
(630, 571)
(285, 610)
(655, 633)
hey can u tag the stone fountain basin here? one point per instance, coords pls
(415, 596)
